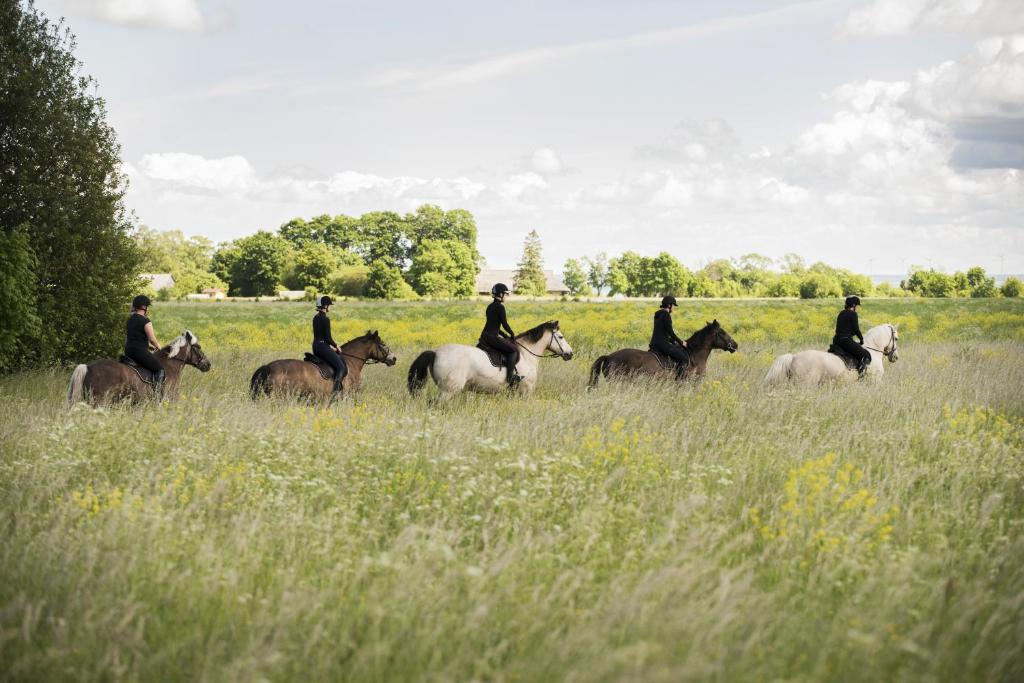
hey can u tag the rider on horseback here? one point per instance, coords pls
(139, 336)
(323, 343)
(848, 327)
(664, 339)
(493, 336)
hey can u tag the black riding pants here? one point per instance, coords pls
(143, 357)
(325, 352)
(506, 346)
(854, 349)
(675, 352)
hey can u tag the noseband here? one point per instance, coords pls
(892, 343)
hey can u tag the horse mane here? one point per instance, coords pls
(535, 333)
(172, 349)
(701, 335)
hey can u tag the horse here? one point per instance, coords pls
(635, 362)
(302, 378)
(109, 381)
(814, 367)
(457, 367)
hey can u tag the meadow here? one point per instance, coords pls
(649, 532)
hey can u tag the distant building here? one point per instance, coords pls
(488, 278)
(159, 280)
(291, 294)
(210, 293)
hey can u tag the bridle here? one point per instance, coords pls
(892, 343)
(369, 360)
(558, 341)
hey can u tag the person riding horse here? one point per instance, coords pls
(139, 337)
(848, 327)
(494, 331)
(324, 346)
(664, 339)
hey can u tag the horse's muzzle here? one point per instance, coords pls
(390, 360)
(567, 356)
(733, 347)
(204, 365)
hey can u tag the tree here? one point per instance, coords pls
(793, 264)
(624, 274)
(666, 275)
(382, 236)
(19, 320)
(575, 278)
(1011, 288)
(930, 283)
(61, 186)
(313, 266)
(981, 286)
(597, 272)
(258, 265)
(443, 268)
(530, 280)
(384, 281)
(819, 286)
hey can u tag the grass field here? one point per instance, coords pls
(647, 533)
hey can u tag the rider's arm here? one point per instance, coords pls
(505, 325)
(672, 333)
(151, 335)
(856, 329)
(327, 337)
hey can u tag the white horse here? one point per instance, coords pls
(814, 367)
(457, 367)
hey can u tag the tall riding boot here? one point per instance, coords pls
(337, 390)
(681, 369)
(862, 367)
(158, 384)
(513, 378)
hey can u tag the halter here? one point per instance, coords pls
(546, 355)
(892, 342)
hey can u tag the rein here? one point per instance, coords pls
(544, 355)
(892, 341)
(368, 360)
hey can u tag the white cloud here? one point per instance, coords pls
(519, 184)
(899, 17)
(181, 15)
(546, 160)
(229, 174)
(490, 68)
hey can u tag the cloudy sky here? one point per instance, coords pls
(872, 135)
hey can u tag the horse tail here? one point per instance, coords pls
(76, 387)
(596, 369)
(418, 371)
(258, 383)
(780, 369)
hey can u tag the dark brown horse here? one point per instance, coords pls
(302, 378)
(634, 362)
(107, 381)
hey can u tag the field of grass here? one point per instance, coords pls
(648, 533)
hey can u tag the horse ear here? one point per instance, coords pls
(375, 335)
(555, 324)
(187, 335)
(715, 322)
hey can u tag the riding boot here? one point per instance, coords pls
(158, 384)
(337, 390)
(513, 378)
(681, 369)
(862, 367)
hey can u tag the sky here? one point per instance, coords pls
(872, 135)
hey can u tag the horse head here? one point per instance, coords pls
(558, 345)
(186, 349)
(721, 339)
(379, 351)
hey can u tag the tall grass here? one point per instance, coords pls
(642, 532)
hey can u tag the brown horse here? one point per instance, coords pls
(302, 378)
(634, 362)
(109, 381)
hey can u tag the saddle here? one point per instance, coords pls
(496, 357)
(848, 360)
(326, 371)
(144, 374)
(667, 362)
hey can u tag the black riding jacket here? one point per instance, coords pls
(663, 334)
(496, 320)
(322, 329)
(847, 325)
(135, 333)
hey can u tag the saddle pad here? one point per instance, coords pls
(850, 361)
(144, 374)
(325, 370)
(496, 357)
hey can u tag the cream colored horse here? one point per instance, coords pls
(815, 367)
(457, 367)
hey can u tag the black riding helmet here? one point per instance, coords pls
(499, 289)
(852, 301)
(668, 301)
(141, 301)
(324, 300)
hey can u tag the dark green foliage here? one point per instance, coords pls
(1011, 288)
(385, 281)
(932, 283)
(255, 264)
(530, 280)
(443, 268)
(19, 321)
(60, 175)
(575, 278)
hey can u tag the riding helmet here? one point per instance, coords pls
(852, 301)
(324, 300)
(499, 289)
(668, 301)
(141, 301)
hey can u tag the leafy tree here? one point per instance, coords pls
(257, 268)
(1011, 288)
(930, 283)
(19, 320)
(793, 264)
(60, 176)
(350, 280)
(223, 260)
(443, 268)
(783, 285)
(701, 286)
(530, 280)
(575, 278)
(597, 272)
(384, 281)
(624, 274)
(665, 275)
(981, 286)
(313, 266)
(382, 236)
(819, 286)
